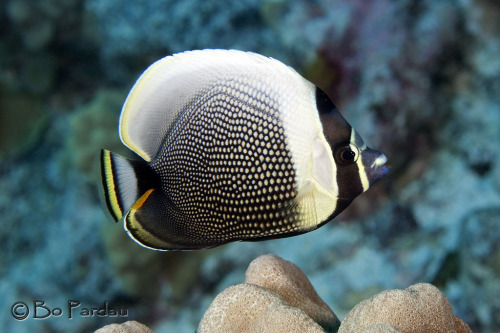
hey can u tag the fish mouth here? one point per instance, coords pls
(381, 164)
(380, 161)
(375, 164)
(378, 169)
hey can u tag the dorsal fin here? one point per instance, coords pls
(164, 89)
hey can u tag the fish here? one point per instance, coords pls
(231, 146)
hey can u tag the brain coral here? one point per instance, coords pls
(251, 308)
(289, 281)
(419, 308)
(381, 328)
(276, 297)
(127, 327)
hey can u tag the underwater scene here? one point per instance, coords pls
(418, 251)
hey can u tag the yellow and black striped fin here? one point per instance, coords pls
(115, 207)
(123, 181)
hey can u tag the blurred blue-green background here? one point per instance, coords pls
(419, 80)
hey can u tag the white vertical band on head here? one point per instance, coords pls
(363, 177)
(315, 168)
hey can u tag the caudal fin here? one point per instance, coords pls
(124, 182)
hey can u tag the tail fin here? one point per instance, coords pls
(124, 182)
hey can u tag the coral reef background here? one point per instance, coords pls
(420, 80)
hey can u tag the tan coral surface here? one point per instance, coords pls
(290, 282)
(251, 308)
(276, 297)
(418, 308)
(127, 327)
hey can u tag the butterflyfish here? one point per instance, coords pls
(231, 146)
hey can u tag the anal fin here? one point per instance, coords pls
(145, 222)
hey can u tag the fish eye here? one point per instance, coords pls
(346, 155)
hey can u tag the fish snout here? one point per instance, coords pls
(375, 164)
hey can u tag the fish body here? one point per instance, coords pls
(233, 146)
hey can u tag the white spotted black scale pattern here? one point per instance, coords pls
(226, 167)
